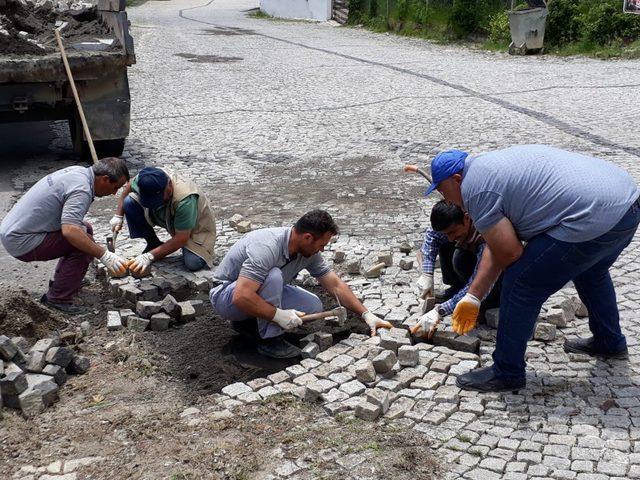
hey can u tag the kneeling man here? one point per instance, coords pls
(255, 275)
(160, 197)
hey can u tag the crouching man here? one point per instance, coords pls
(48, 223)
(255, 275)
(159, 197)
(459, 245)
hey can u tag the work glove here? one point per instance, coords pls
(141, 263)
(114, 263)
(116, 223)
(465, 316)
(424, 285)
(288, 319)
(427, 324)
(375, 322)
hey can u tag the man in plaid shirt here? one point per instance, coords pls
(459, 245)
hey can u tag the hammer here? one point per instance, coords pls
(339, 312)
(111, 241)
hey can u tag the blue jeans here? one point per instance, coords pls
(140, 228)
(273, 291)
(545, 267)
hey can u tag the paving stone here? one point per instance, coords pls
(36, 362)
(57, 372)
(324, 340)
(491, 317)
(310, 350)
(44, 344)
(382, 398)
(365, 371)
(114, 321)
(236, 389)
(8, 349)
(79, 365)
(408, 356)
(368, 411)
(353, 267)
(385, 361)
(187, 312)
(556, 316)
(465, 343)
(137, 324)
(353, 387)
(386, 258)
(171, 307)
(544, 332)
(13, 384)
(59, 356)
(243, 226)
(339, 256)
(159, 322)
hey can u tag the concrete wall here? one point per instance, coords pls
(306, 9)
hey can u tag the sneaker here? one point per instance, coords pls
(485, 380)
(67, 308)
(278, 347)
(587, 347)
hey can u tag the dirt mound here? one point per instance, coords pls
(29, 30)
(21, 315)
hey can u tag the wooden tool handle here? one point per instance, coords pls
(318, 316)
(418, 170)
(85, 127)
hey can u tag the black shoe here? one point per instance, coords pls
(247, 328)
(587, 347)
(278, 347)
(442, 296)
(67, 308)
(486, 380)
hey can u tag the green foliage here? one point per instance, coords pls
(594, 27)
(499, 28)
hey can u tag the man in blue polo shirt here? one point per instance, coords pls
(576, 213)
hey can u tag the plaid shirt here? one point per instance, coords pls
(433, 242)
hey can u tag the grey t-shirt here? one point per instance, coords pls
(261, 250)
(62, 197)
(540, 189)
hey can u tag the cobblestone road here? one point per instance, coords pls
(275, 118)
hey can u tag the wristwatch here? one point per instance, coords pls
(441, 311)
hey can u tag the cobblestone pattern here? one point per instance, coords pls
(317, 116)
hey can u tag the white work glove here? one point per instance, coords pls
(375, 322)
(424, 286)
(141, 263)
(116, 223)
(114, 263)
(465, 315)
(427, 324)
(288, 319)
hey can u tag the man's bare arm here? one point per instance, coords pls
(503, 248)
(77, 237)
(179, 240)
(126, 190)
(333, 284)
(246, 298)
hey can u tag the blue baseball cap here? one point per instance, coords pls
(445, 165)
(151, 184)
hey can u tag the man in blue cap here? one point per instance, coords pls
(160, 197)
(576, 213)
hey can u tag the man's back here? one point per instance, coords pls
(541, 189)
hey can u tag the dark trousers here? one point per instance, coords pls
(457, 266)
(72, 264)
(546, 266)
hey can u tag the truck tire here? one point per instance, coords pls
(104, 148)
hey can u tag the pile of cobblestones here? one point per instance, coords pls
(156, 316)
(30, 381)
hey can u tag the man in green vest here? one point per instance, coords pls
(160, 197)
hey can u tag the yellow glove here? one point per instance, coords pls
(465, 316)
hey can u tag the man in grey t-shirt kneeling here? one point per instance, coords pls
(48, 223)
(255, 275)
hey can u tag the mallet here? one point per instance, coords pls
(339, 312)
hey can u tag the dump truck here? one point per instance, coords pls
(33, 82)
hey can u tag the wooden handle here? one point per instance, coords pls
(85, 127)
(318, 316)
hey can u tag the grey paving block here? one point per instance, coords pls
(171, 307)
(57, 372)
(367, 411)
(146, 309)
(159, 322)
(138, 324)
(385, 361)
(79, 365)
(114, 322)
(59, 356)
(7, 348)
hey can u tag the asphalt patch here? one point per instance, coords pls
(207, 58)
(227, 31)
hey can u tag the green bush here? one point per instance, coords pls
(466, 17)
(563, 23)
(605, 22)
(499, 28)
